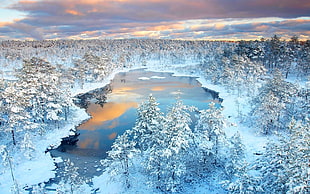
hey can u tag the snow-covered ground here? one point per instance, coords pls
(41, 167)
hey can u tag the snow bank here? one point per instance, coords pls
(41, 167)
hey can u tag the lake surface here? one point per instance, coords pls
(113, 108)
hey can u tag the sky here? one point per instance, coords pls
(158, 19)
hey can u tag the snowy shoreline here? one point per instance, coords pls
(41, 167)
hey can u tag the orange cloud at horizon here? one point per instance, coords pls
(219, 26)
(176, 26)
(27, 2)
(73, 12)
(158, 88)
(2, 24)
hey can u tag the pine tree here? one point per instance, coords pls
(119, 157)
(299, 158)
(268, 113)
(27, 146)
(7, 160)
(71, 180)
(148, 123)
(79, 71)
(46, 99)
(236, 157)
(271, 104)
(210, 127)
(285, 165)
(245, 182)
(155, 161)
(179, 139)
(16, 118)
(151, 139)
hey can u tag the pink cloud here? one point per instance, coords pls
(141, 18)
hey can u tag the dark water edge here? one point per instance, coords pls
(90, 165)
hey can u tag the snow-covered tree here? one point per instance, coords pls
(40, 83)
(240, 73)
(298, 169)
(148, 124)
(270, 105)
(15, 114)
(210, 128)
(27, 146)
(285, 165)
(245, 183)
(154, 162)
(304, 61)
(119, 158)
(179, 139)
(7, 160)
(151, 139)
(71, 181)
(236, 157)
(268, 113)
(275, 52)
(79, 71)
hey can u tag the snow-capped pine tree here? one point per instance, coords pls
(236, 157)
(27, 146)
(303, 64)
(149, 121)
(268, 113)
(154, 161)
(179, 139)
(149, 134)
(43, 89)
(245, 182)
(7, 160)
(204, 146)
(210, 127)
(119, 158)
(79, 72)
(285, 165)
(16, 118)
(298, 169)
(271, 104)
(71, 180)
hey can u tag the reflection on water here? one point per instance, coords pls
(103, 114)
(118, 114)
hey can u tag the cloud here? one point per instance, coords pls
(153, 18)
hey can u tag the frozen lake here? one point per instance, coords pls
(113, 109)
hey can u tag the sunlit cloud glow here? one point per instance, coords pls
(174, 19)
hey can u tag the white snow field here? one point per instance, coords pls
(215, 67)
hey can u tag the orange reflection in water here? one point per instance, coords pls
(96, 144)
(85, 143)
(113, 124)
(109, 111)
(112, 136)
(89, 143)
(122, 90)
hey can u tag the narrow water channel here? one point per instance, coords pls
(113, 110)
